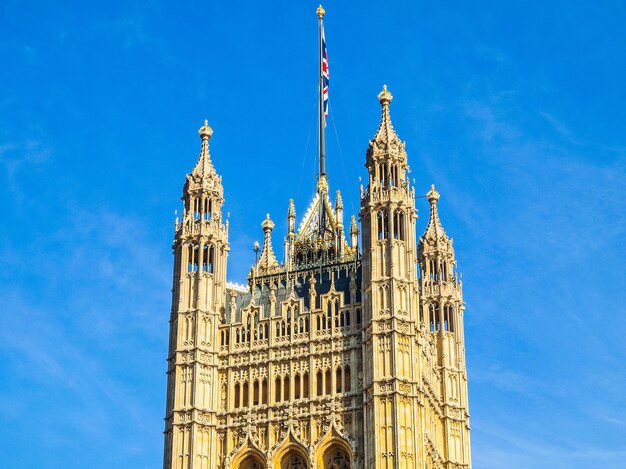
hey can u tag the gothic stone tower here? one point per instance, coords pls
(341, 356)
(390, 303)
(200, 253)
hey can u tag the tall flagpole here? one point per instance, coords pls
(321, 185)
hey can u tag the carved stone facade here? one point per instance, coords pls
(342, 356)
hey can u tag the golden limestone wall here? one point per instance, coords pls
(290, 375)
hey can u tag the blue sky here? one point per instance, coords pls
(515, 110)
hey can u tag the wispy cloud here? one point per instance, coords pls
(110, 289)
(506, 448)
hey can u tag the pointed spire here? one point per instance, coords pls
(338, 201)
(291, 213)
(339, 209)
(204, 166)
(354, 228)
(354, 233)
(267, 262)
(385, 133)
(434, 230)
(291, 217)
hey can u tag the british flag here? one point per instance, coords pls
(325, 77)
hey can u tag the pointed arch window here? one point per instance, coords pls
(245, 402)
(448, 317)
(295, 462)
(237, 396)
(264, 391)
(337, 460)
(255, 393)
(208, 209)
(192, 258)
(328, 383)
(399, 225)
(329, 315)
(347, 379)
(320, 383)
(381, 222)
(296, 386)
(277, 383)
(338, 380)
(433, 317)
(286, 389)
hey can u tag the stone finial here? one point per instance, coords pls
(354, 227)
(432, 195)
(338, 201)
(292, 209)
(205, 131)
(385, 96)
(267, 225)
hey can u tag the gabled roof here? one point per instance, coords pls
(310, 225)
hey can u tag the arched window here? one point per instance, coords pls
(292, 461)
(245, 402)
(192, 259)
(328, 382)
(398, 225)
(255, 393)
(329, 315)
(264, 391)
(296, 387)
(433, 313)
(320, 383)
(338, 380)
(205, 258)
(347, 379)
(336, 459)
(237, 396)
(251, 462)
(277, 396)
(448, 317)
(305, 385)
(209, 210)
(210, 260)
(286, 389)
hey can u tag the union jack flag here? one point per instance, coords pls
(325, 76)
